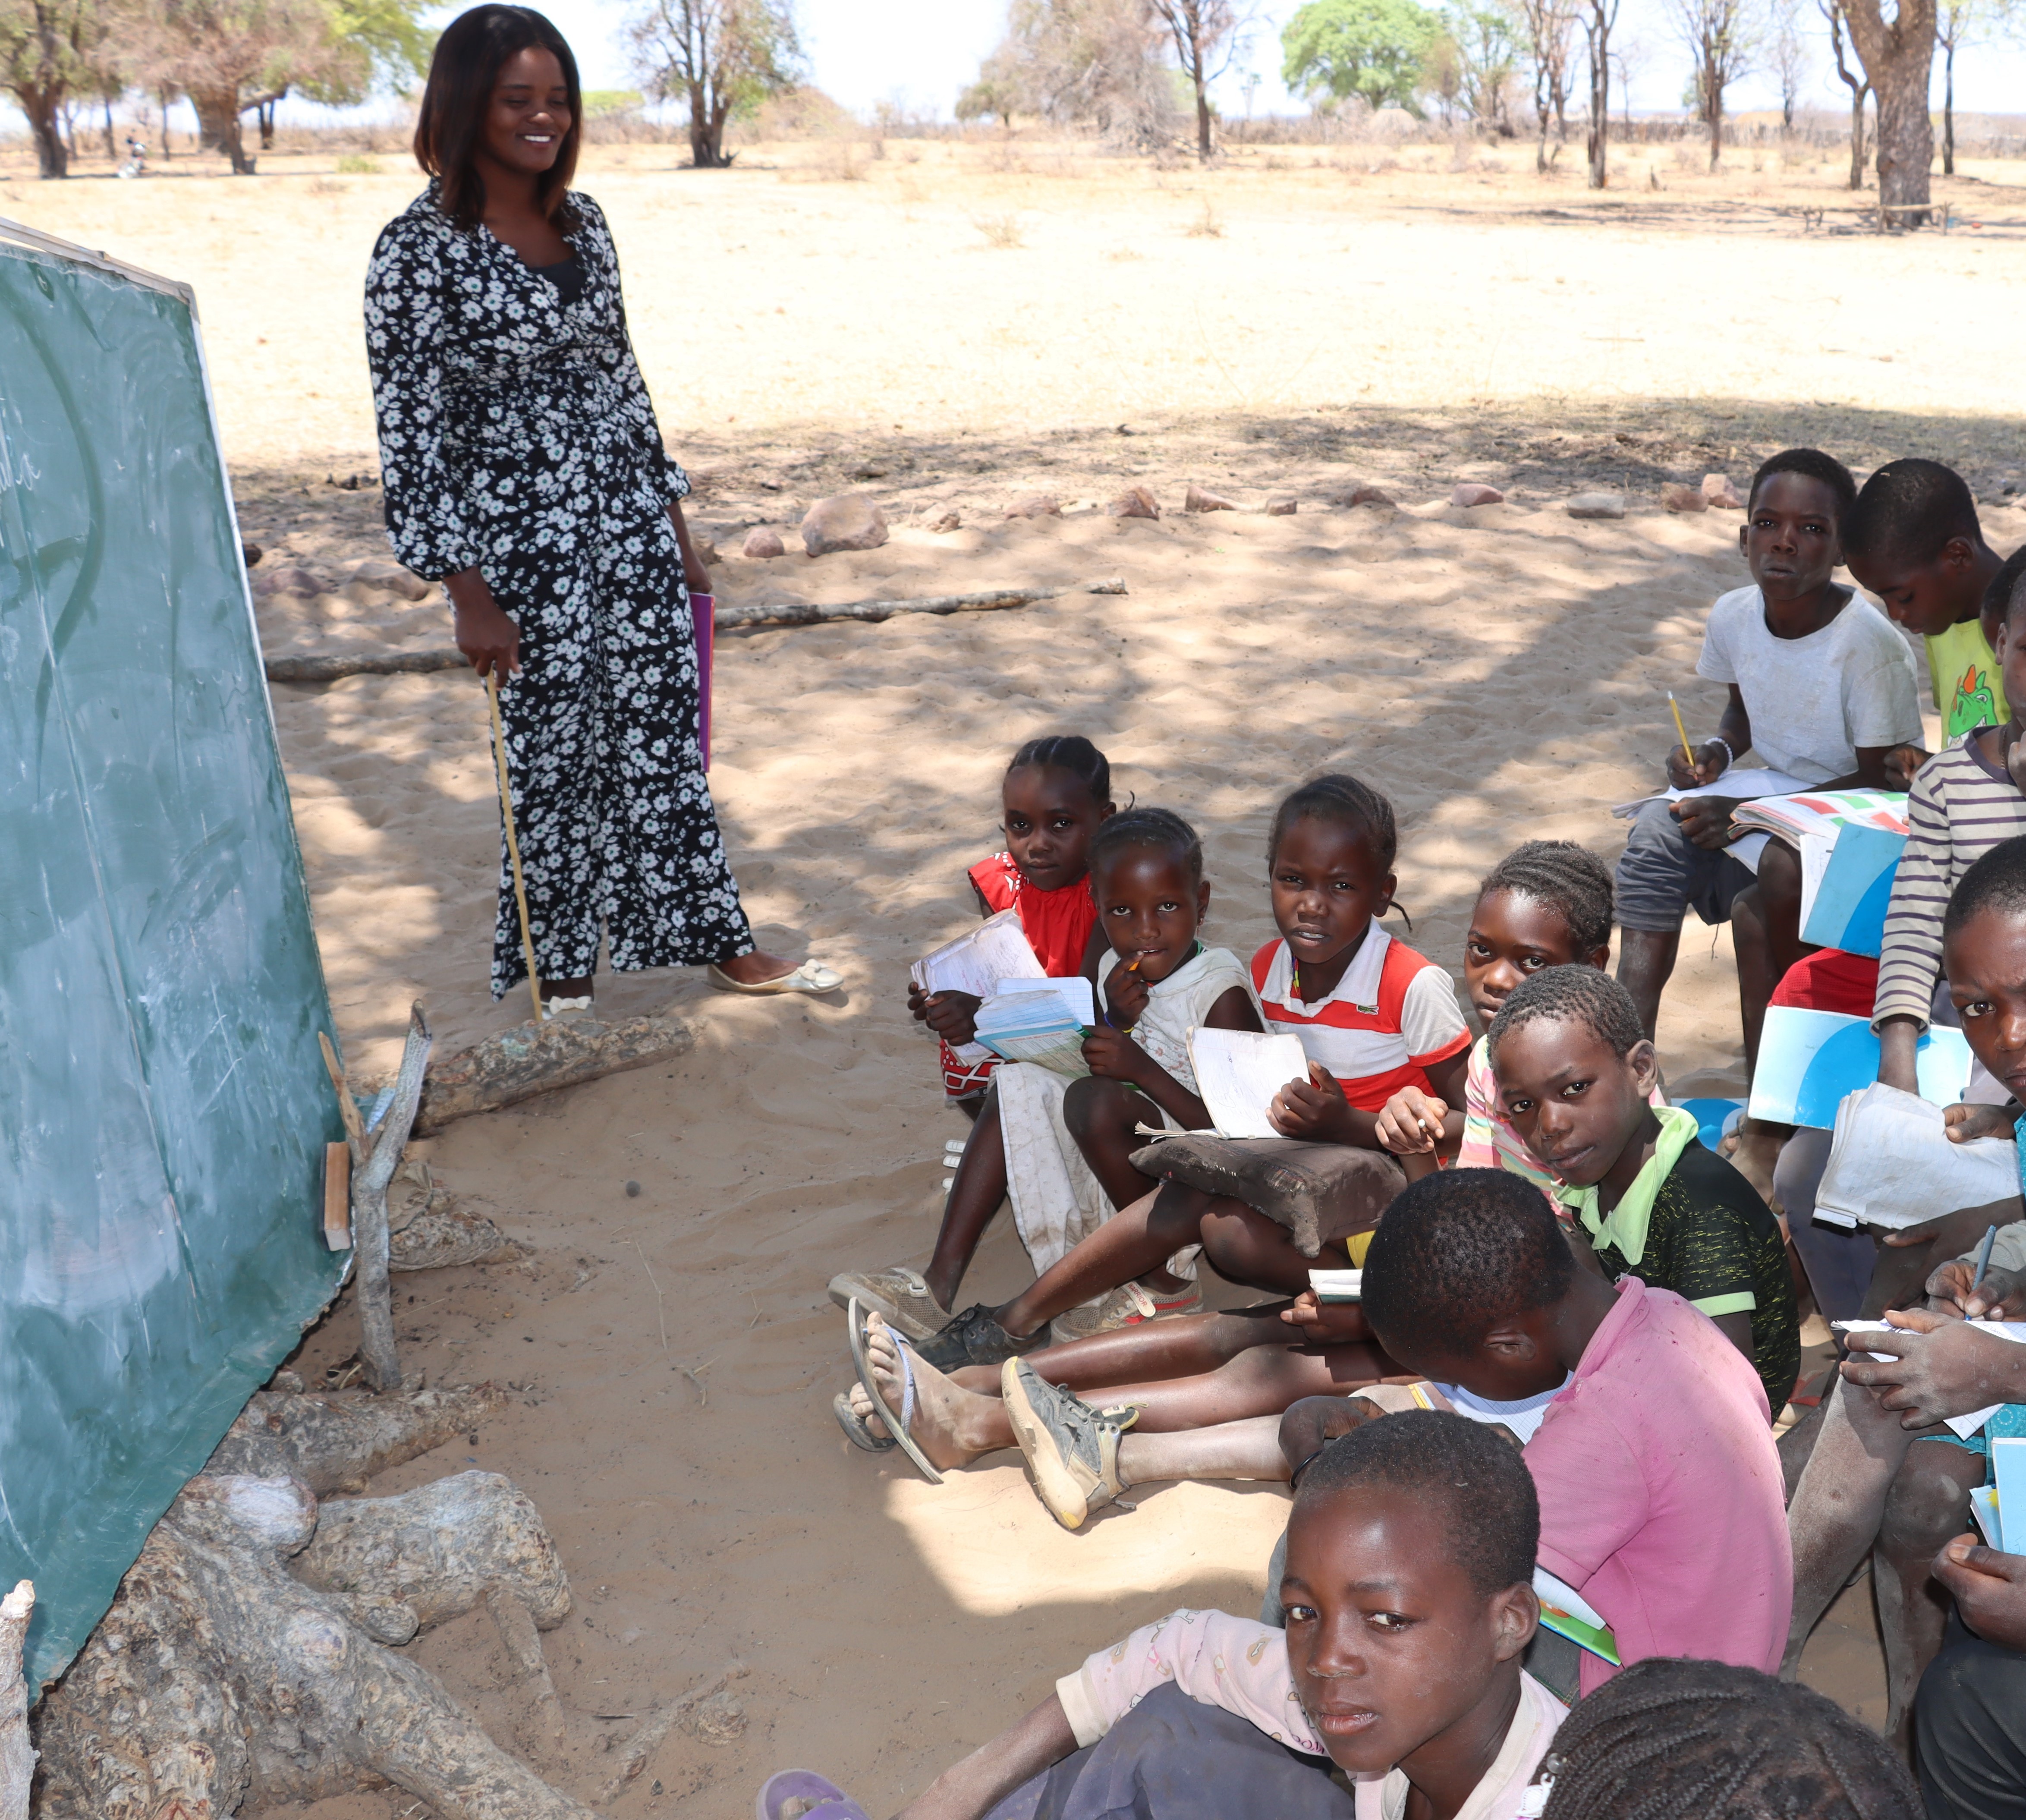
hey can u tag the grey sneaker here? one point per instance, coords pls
(1072, 1450)
(898, 1293)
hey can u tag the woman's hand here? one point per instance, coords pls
(1113, 1055)
(2001, 1296)
(1314, 1110)
(695, 577)
(952, 1015)
(1411, 1122)
(1965, 1123)
(488, 638)
(1126, 995)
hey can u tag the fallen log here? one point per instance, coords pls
(801, 613)
(335, 1441)
(531, 1060)
(329, 666)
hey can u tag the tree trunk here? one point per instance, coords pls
(1898, 59)
(1949, 110)
(1857, 136)
(17, 1756)
(218, 126)
(166, 153)
(267, 118)
(1203, 147)
(1715, 127)
(40, 104)
(110, 151)
(1599, 107)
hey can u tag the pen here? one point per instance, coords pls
(1675, 707)
(1983, 1260)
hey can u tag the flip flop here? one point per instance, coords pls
(810, 1795)
(812, 976)
(896, 1425)
(855, 1428)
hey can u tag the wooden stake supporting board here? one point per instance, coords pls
(337, 1196)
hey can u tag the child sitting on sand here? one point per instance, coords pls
(1576, 1077)
(1546, 904)
(1055, 796)
(1660, 1484)
(1912, 538)
(1408, 1600)
(1821, 688)
(1069, 1145)
(1373, 1017)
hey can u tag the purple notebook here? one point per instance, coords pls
(703, 611)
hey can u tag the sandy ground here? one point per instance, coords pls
(1499, 672)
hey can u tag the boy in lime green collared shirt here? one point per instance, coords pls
(1912, 539)
(1574, 1071)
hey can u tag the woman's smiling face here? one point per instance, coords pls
(529, 113)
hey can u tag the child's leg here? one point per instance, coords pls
(1928, 1506)
(1101, 1116)
(976, 1193)
(1779, 891)
(1157, 1350)
(1840, 1503)
(1248, 1248)
(1652, 887)
(955, 1424)
(1135, 1240)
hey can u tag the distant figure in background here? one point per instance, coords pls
(523, 469)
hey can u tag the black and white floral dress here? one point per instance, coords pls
(516, 436)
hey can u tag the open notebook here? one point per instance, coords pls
(1237, 1073)
(975, 963)
(1041, 1021)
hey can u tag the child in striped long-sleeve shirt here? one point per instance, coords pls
(1964, 801)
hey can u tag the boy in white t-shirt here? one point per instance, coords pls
(1821, 688)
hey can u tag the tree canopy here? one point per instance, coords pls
(1377, 50)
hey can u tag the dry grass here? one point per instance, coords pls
(1208, 225)
(1000, 230)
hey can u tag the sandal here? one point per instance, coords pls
(898, 1293)
(794, 1794)
(975, 1338)
(897, 1426)
(856, 1430)
(812, 976)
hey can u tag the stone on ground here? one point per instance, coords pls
(390, 576)
(1685, 499)
(1474, 493)
(1721, 494)
(843, 521)
(1035, 505)
(761, 543)
(1594, 506)
(1196, 499)
(1281, 508)
(1135, 503)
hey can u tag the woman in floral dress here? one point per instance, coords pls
(523, 468)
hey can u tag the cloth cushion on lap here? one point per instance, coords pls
(1318, 1192)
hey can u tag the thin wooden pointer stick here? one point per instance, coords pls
(512, 843)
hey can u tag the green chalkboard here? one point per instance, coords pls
(163, 1108)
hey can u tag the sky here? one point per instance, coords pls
(921, 52)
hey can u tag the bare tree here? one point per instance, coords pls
(1859, 84)
(1956, 23)
(1898, 57)
(1550, 26)
(47, 51)
(1598, 19)
(1718, 34)
(1204, 34)
(1086, 61)
(722, 57)
(1485, 44)
(1787, 56)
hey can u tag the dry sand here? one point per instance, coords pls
(1499, 672)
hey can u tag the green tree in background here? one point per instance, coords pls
(723, 57)
(1376, 50)
(50, 51)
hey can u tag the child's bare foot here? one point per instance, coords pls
(952, 1426)
(1754, 1150)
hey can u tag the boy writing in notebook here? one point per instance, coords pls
(1821, 688)
(1912, 538)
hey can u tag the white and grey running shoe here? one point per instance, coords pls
(1072, 1450)
(898, 1293)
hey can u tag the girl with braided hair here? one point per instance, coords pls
(1672, 1738)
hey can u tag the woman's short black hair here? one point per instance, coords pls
(1568, 879)
(1072, 753)
(1336, 797)
(1481, 1504)
(1160, 828)
(475, 46)
(1673, 1735)
(1812, 464)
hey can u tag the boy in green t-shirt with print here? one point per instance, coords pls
(1913, 540)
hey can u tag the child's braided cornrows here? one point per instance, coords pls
(1337, 797)
(1570, 880)
(1672, 1739)
(1072, 753)
(1150, 827)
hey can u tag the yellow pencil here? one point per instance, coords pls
(1686, 752)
